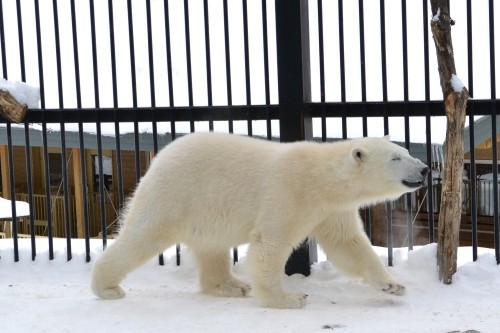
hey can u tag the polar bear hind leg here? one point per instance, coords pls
(344, 241)
(130, 250)
(215, 274)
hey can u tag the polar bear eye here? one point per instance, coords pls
(396, 158)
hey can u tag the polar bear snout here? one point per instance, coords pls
(424, 172)
(417, 180)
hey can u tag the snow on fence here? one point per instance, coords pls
(118, 80)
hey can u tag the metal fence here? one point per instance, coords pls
(136, 74)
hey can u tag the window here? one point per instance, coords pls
(107, 170)
(55, 171)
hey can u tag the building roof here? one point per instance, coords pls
(482, 131)
(127, 141)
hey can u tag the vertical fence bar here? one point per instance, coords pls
(39, 55)
(473, 183)
(247, 65)
(388, 206)
(101, 186)
(76, 55)
(58, 54)
(409, 219)
(342, 64)
(322, 70)
(208, 63)
(85, 194)
(169, 68)
(294, 88)
(83, 163)
(67, 193)
(62, 133)
(188, 63)
(98, 125)
(470, 63)
(29, 178)
(118, 154)
(2, 42)
(21, 40)
(48, 204)
(228, 66)
(132, 52)
(83, 178)
(12, 181)
(494, 144)
(29, 175)
(152, 90)
(134, 89)
(362, 56)
(266, 68)
(472, 145)
(428, 138)
(150, 56)
(383, 53)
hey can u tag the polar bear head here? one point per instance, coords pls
(385, 170)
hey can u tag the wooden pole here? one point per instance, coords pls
(455, 97)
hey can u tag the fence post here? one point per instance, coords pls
(294, 88)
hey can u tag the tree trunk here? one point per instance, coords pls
(455, 97)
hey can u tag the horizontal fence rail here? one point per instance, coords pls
(121, 79)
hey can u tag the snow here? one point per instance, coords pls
(46, 296)
(456, 83)
(435, 18)
(22, 92)
(22, 208)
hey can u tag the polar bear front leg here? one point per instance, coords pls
(266, 260)
(344, 241)
(215, 274)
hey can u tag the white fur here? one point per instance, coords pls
(216, 191)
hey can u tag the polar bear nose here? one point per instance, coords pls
(424, 171)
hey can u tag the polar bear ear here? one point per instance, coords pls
(387, 137)
(359, 154)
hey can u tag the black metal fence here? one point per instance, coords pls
(136, 74)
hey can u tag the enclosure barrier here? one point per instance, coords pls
(283, 69)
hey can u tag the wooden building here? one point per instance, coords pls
(74, 176)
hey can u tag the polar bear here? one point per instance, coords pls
(215, 191)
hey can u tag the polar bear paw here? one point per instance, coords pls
(394, 289)
(234, 288)
(110, 293)
(287, 301)
(229, 288)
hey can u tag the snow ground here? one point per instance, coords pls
(54, 296)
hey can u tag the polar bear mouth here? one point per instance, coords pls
(413, 184)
